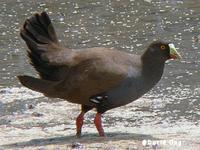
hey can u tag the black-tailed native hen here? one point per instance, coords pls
(98, 77)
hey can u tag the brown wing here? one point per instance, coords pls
(88, 78)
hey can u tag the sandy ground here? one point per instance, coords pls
(30, 121)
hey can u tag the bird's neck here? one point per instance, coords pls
(152, 69)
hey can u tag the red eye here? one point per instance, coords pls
(162, 47)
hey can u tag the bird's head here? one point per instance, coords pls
(161, 51)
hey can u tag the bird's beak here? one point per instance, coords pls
(173, 52)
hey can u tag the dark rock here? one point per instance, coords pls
(36, 114)
(30, 106)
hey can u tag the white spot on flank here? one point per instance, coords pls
(99, 97)
(95, 101)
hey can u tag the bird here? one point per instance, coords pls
(96, 78)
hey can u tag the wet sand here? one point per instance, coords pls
(31, 121)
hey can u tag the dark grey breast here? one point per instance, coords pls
(141, 76)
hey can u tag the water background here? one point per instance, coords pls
(130, 25)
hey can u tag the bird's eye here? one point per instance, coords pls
(162, 47)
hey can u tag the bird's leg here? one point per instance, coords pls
(80, 119)
(79, 123)
(98, 124)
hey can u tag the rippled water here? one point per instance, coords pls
(130, 25)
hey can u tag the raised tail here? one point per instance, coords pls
(39, 85)
(40, 37)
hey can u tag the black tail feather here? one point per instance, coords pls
(40, 37)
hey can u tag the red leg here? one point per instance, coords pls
(79, 123)
(98, 124)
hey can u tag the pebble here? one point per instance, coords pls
(77, 145)
(36, 114)
(30, 106)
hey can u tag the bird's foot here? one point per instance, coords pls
(78, 134)
(79, 124)
(98, 124)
